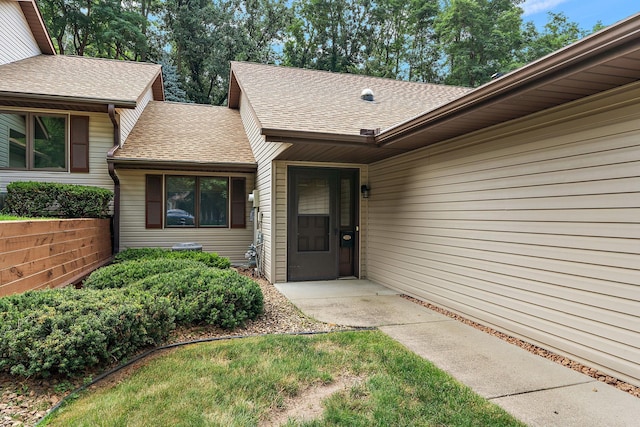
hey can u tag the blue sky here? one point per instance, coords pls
(584, 12)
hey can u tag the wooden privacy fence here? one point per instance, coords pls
(50, 253)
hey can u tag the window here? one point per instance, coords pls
(195, 201)
(35, 141)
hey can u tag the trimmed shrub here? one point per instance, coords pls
(46, 199)
(217, 297)
(66, 330)
(125, 273)
(209, 258)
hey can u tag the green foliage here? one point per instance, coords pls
(478, 38)
(66, 331)
(125, 273)
(172, 87)
(122, 308)
(213, 296)
(44, 199)
(557, 33)
(205, 36)
(198, 294)
(102, 28)
(208, 258)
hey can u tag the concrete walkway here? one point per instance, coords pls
(535, 390)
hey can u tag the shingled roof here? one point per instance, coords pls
(187, 136)
(294, 99)
(59, 78)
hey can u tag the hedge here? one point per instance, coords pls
(125, 273)
(122, 308)
(217, 297)
(208, 258)
(66, 331)
(45, 199)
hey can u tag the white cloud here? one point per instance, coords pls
(532, 7)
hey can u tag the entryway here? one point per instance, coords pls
(322, 229)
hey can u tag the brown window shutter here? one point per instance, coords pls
(153, 202)
(238, 203)
(79, 144)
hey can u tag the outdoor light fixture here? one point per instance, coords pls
(365, 191)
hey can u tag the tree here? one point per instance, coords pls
(329, 35)
(206, 35)
(557, 33)
(478, 38)
(172, 87)
(423, 53)
(103, 28)
(264, 23)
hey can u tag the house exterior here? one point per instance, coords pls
(515, 204)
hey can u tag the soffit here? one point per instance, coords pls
(37, 26)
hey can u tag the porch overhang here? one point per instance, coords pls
(329, 147)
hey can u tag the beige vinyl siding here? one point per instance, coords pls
(264, 153)
(129, 118)
(15, 36)
(228, 242)
(280, 244)
(535, 232)
(100, 141)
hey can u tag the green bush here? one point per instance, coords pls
(66, 331)
(125, 273)
(45, 199)
(208, 258)
(217, 297)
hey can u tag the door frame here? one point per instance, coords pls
(336, 175)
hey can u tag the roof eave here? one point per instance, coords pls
(298, 136)
(130, 163)
(32, 14)
(607, 41)
(61, 99)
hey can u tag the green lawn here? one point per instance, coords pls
(244, 382)
(4, 217)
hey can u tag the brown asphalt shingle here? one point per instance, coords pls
(190, 133)
(78, 77)
(308, 100)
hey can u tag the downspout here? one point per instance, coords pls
(116, 180)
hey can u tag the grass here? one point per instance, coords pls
(243, 382)
(4, 217)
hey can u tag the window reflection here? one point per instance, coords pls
(181, 200)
